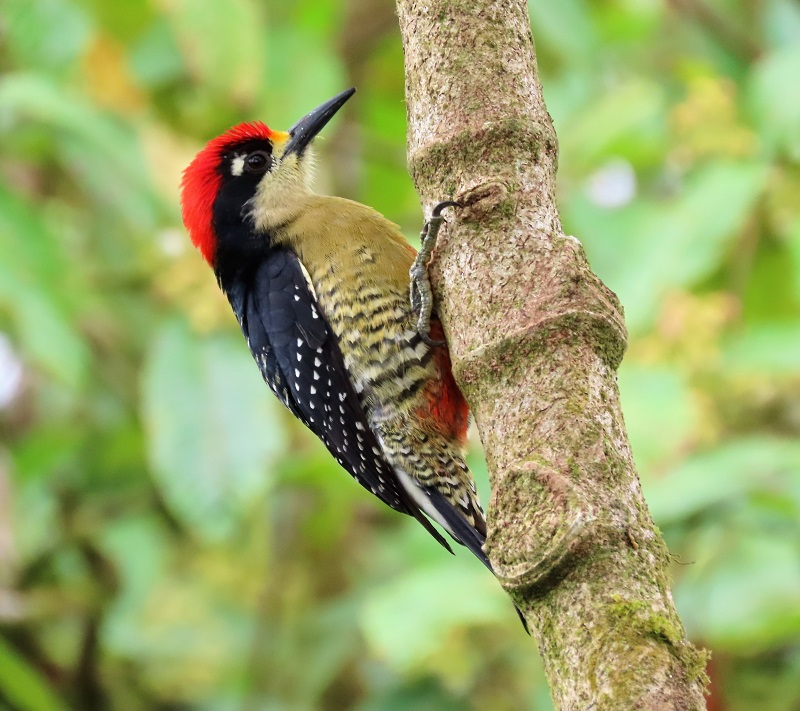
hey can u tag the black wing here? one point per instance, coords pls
(299, 358)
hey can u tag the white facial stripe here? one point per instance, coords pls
(237, 165)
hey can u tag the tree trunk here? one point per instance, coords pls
(536, 339)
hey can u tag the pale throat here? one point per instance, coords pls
(281, 193)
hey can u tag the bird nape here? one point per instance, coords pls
(320, 287)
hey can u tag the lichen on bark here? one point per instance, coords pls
(536, 339)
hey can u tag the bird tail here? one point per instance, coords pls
(465, 534)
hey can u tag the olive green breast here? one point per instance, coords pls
(358, 264)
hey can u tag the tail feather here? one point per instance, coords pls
(465, 534)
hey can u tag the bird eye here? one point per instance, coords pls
(257, 162)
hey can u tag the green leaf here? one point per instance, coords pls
(777, 109)
(564, 27)
(606, 125)
(139, 547)
(782, 22)
(124, 21)
(44, 333)
(769, 348)
(748, 597)
(721, 475)
(47, 34)
(793, 247)
(33, 292)
(222, 45)
(317, 69)
(102, 153)
(212, 427)
(155, 57)
(634, 22)
(659, 413)
(411, 620)
(426, 695)
(23, 685)
(680, 241)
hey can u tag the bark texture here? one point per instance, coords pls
(536, 339)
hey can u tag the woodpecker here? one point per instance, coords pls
(320, 287)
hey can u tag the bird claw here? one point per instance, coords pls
(421, 293)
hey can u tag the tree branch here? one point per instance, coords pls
(535, 339)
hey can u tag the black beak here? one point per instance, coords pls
(312, 123)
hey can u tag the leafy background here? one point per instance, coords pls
(170, 539)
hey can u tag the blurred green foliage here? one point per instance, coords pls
(170, 539)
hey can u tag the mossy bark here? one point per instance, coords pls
(536, 339)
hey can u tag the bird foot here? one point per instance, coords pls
(420, 288)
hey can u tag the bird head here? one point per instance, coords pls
(250, 179)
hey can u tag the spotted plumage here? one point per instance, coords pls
(320, 288)
(405, 387)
